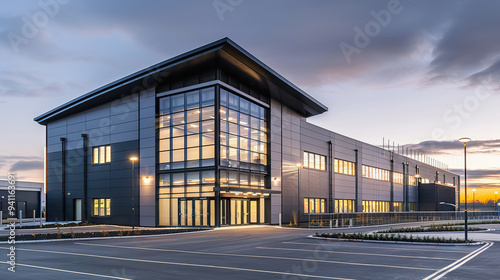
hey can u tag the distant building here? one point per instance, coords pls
(220, 139)
(29, 196)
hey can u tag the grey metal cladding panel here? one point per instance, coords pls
(124, 117)
(76, 128)
(103, 124)
(96, 139)
(148, 112)
(127, 146)
(56, 131)
(148, 142)
(98, 112)
(54, 140)
(147, 122)
(124, 127)
(147, 102)
(148, 161)
(122, 137)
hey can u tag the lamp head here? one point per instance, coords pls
(464, 139)
(133, 158)
(299, 165)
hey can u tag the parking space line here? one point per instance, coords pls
(377, 247)
(183, 264)
(355, 253)
(447, 269)
(69, 271)
(251, 256)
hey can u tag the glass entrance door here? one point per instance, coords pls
(236, 211)
(196, 212)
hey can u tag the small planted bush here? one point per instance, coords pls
(391, 237)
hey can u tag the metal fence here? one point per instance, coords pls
(342, 220)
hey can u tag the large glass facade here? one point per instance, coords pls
(187, 164)
(243, 142)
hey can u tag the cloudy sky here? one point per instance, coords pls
(420, 73)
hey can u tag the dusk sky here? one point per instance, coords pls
(420, 73)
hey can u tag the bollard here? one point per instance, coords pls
(279, 218)
(41, 218)
(1, 217)
(336, 223)
(20, 218)
(350, 223)
(34, 216)
(331, 223)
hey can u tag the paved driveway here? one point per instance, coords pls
(244, 253)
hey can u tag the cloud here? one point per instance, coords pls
(450, 147)
(25, 165)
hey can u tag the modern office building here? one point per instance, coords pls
(215, 137)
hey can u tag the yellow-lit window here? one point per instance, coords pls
(311, 206)
(101, 207)
(317, 163)
(96, 156)
(96, 207)
(336, 166)
(108, 153)
(108, 206)
(322, 206)
(341, 166)
(306, 205)
(311, 160)
(349, 169)
(323, 164)
(306, 159)
(102, 154)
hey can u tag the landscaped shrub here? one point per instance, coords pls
(392, 237)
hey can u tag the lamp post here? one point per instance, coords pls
(133, 159)
(465, 140)
(298, 193)
(473, 199)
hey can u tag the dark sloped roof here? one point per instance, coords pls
(289, 93)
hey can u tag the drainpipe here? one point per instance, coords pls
(356, 207)
(405, 198)
(63, 177)
(330, 177)
(391, 179)
(85, 159)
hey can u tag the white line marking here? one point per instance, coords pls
(375, 247)
(69, 271)
(355, 253)
(249, 256)
(447, 269)
(186, 264)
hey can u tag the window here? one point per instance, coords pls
(371, 206)
(314, 161)
(101, 154)
(344, 167)
(314, 205)
(187, 129)
(344, 206)
(375, 173)
(101, 206)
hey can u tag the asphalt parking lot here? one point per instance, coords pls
(246, 253)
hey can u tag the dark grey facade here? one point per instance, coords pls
(218, 137)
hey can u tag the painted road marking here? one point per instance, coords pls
(377, 247)
(447, 269)
(252, 256)
(184, 264)
(69, 271)
(355, 253)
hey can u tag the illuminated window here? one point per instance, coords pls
(375, 173)
(375, 206)
(314, 205)
(101, 206)
(314, 161)
(101, 154)
(344, 167)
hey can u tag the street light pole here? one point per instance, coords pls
(133, 159)
(465, 140)
(298, 194)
